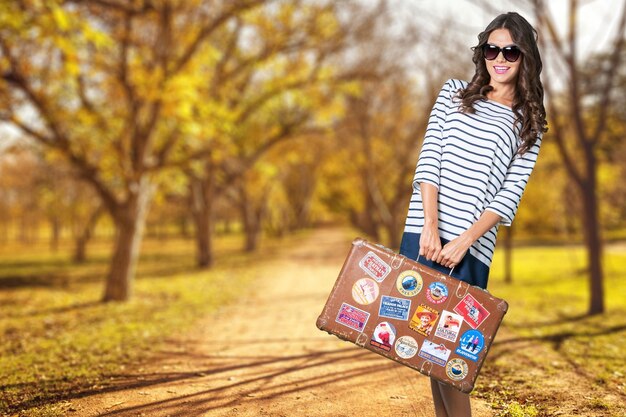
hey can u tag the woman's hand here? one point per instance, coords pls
(454, 251)
(430, 244)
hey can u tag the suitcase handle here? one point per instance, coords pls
(449, 273)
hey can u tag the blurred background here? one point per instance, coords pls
(147, 146)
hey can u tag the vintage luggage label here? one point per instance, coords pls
(437, 293)
(384, 336)
(456, 369)
(470, 345)
(352, 317)
(374, 266)
(434, 353)
(424, 319)
(449, 326)
(365, 291)
(472, 311)
(406, 347)
(409, 283)
(394, 308)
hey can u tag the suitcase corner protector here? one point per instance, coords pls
(359, 241)
(321, 323)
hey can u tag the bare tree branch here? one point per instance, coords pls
(615, 62)
(206, 31)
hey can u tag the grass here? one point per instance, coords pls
(549, 354)
(59, 341)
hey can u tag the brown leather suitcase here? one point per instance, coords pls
(412, 314)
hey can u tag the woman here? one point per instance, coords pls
(480, 147)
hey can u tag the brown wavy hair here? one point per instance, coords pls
(528, 102)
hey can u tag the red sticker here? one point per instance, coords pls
(472, 311)
(374, 266)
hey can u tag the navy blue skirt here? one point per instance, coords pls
(470, 269)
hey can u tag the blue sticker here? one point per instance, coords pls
(437, 293)
(470, 345)
(394, 308)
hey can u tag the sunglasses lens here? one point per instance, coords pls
(511, 53)
(490, 51)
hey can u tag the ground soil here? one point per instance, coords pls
(263, 356)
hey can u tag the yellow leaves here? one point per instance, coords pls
(327, 25)
(286, 13)
(95, 36)
(351, 88)
(331, 112)
(60, 17)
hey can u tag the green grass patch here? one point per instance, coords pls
(551, 339)
(59, 339)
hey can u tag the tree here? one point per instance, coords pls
(568, 119)
(273, 91)
(111, 85)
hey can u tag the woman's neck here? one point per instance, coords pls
(502, 93)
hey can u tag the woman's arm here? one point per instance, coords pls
(455, 250)
(430, 245)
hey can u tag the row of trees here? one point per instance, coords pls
(129, 93)
(269, 114)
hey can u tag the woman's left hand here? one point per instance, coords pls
(454, 251)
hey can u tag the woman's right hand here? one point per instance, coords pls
(430, 244)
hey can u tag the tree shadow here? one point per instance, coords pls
(557, 321)
(556, 339)
(262, 370)
(55, 310)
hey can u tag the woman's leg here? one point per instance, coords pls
(457, 403)
(440, 408)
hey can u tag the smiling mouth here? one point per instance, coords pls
(500, 70)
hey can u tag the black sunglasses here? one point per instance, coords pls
(510, 53)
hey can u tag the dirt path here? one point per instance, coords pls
(264, 357)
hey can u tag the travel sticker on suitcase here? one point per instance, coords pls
(374, 266)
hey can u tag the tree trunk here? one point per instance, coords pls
(250, 225)
(129, 219)
(24, 230)
(4, 232)
(508, 255)
(183, 226)
(203, 220)
(55, 224)
(202, 195)
(251, 220)
(593, 239)
(80, 248)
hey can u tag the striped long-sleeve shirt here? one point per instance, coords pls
(472, 160)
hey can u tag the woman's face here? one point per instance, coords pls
(501, 70)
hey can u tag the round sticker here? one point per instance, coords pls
(385, 334)
(437, 293)
(470, 345)
(365, 291)
(406, 347)
(456, 369)
(409, 283)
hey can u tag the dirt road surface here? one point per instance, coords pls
(263, 356)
